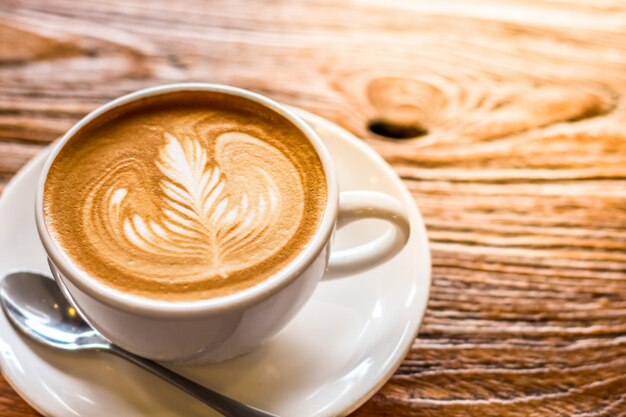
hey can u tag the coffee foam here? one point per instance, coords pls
(179, 202)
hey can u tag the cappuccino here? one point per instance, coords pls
(185, 196)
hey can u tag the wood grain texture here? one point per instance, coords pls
(516, 112)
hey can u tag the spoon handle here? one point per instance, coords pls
(224, 405)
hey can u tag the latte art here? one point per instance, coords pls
(185, 196)
(219, 213)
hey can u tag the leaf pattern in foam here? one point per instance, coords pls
(207, 213)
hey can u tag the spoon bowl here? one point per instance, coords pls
(36, 306)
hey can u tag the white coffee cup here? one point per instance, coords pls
(221, 328)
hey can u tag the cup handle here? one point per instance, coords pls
(358, 205)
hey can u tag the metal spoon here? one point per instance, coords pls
(36, 306)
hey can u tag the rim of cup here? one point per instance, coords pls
(258, 292)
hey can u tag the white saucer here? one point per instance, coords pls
(341, 348)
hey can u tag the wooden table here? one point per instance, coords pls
(506, 120)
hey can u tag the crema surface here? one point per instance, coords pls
(185, 196)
